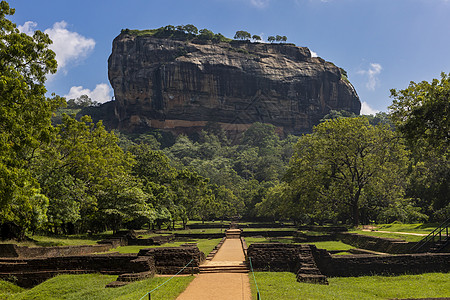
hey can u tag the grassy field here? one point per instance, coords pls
(283, 285)
(328, 245)
(204, 245)
(269, 229)
(60, 240)
(403, 237)
(411, 228)
(420, 228)
(92, 286)
(207, 230)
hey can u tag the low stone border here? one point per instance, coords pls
(29, 272)
(280, 233)
(368, 265)
(12, 250)
(213, 253)
(379, 244)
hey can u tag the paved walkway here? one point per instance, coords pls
(221, 286)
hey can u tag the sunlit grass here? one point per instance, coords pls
(283, 285)
(205, 245)
(60, 240)
(403, 237)
(328, 245)
(92, 286)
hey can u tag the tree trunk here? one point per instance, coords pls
(355, 208)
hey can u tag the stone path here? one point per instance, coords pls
(225, 277)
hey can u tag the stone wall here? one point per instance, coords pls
(274, 257)
(208, 226)
(265, 225)
(170, 260)
(200, 235)
(301, 237)
(29, 272)
(155, 240)
(279, 257)
(368, 265)
(12, 250)
(323, 228)
(387, 245)
(279, 233)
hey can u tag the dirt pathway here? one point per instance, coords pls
(225, 285)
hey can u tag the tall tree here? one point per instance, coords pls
(256, 38)
(346, 164)
(421, 113)
(242, 35)
(25, 114)
(79, 164)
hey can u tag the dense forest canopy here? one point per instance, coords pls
(74, 175)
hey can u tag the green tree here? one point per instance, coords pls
(271, 39)
(278, 38)
(79, 164)
(81, 102)
(205, 34)
(242, 35)
(191, 29)
(345, 165)
(256, 38)
(420, 113)
(25, 114)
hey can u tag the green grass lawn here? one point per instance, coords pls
(60, 240)
(204, 245)
(328, 245)
(206, 230)
(269, 229)
(403, 237)
(283, 285)
(424, 228)
(92, 286)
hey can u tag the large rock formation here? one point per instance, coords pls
(181, 85)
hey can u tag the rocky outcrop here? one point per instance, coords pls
(181, 85)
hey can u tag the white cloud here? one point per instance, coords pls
(101, 93)
(28, 27)
(313, 54)
(260, 3)
(68, 46)
(372, 75)
(367, 110)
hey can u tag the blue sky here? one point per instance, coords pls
(382, 44)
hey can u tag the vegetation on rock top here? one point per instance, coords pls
(190, 32)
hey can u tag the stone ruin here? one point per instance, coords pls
(314, 265)
(28, 272)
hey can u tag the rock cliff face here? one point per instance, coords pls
(180, 86)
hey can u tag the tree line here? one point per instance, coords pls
(76, 176)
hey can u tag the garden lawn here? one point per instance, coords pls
(205, 245)
(328, 245)
(283, 285)
(7, 289)
(424, 228)
(269, 229)
(61, 240)
(403, 237)
(92, 286)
